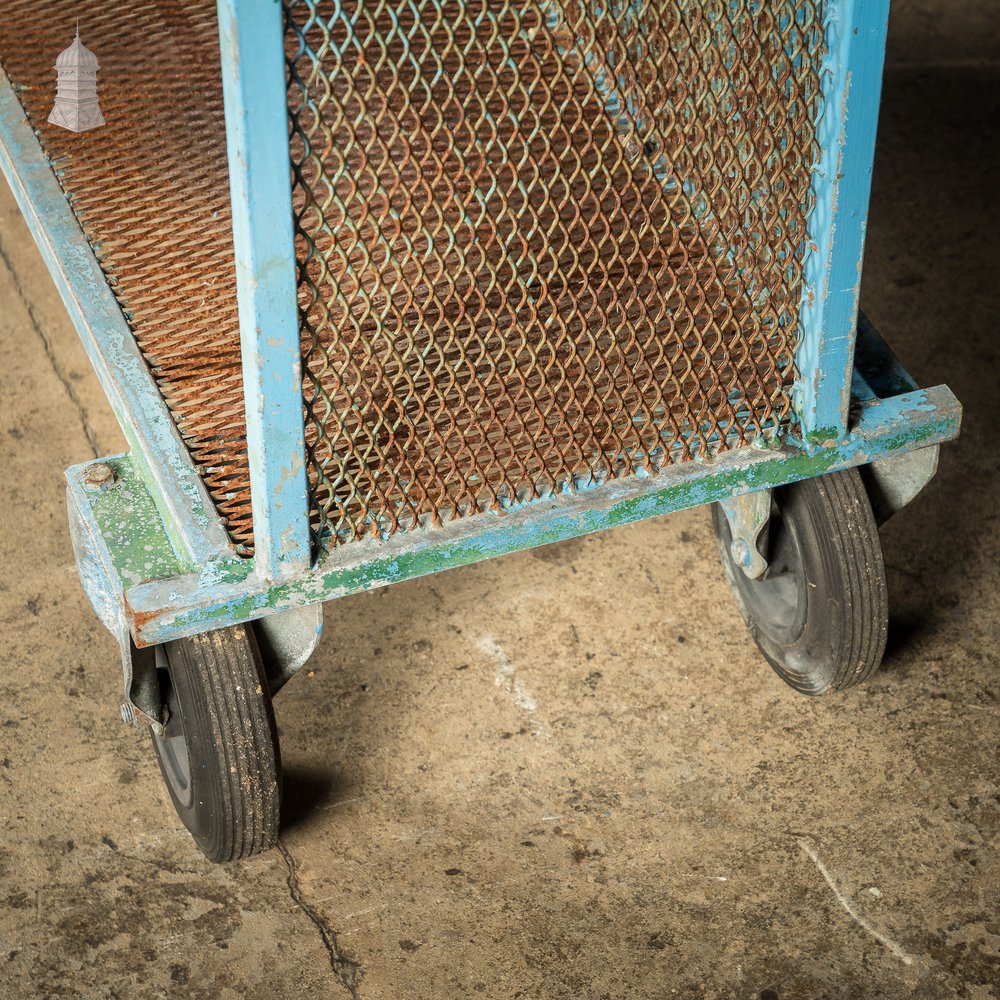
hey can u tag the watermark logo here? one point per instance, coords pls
(76, 106)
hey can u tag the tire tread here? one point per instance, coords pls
(855, 533)
(836, 508)
(230, 701)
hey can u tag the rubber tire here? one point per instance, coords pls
(836, 636)
(221, 694)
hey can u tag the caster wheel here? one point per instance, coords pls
(219, 751)
(820, 612)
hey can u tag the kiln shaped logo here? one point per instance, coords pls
(76, 105)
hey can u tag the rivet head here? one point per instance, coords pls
(98, 477)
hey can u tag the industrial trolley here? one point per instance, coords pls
(381, 287)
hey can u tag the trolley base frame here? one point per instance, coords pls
(147, 594)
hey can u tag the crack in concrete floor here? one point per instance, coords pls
(347, 971)
(50, 355)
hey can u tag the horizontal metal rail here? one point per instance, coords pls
(159, 612)
(228, 592)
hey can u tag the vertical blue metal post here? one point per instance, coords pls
(852, 83)
(253, 81)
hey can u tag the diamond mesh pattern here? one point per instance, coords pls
(150, 189)
(542, 243)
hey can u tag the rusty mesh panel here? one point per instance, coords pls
(150, 189)
(542, 243)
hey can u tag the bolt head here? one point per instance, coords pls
(98, 477)
(740, 552)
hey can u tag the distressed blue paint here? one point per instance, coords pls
(163, 460)
(253, 83)
(852, 80)
(229, 591)
(161, 611)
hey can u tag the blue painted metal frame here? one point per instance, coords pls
(194, 527)
(159, 494)
(166, 604)
(851, 82)
(253, 83)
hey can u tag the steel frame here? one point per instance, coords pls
(253, 85)
(855, 32)
(157, 555)
(169, 603)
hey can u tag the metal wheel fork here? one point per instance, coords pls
(749, 516)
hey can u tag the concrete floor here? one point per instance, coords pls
(565, 773)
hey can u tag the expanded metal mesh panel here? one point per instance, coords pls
(543, 243)
(150, 189)
(540, 244)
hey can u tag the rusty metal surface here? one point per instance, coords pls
(150, 190)
(542, 244)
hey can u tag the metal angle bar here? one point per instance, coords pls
(163, 610)
(195, 529)
(253, 84)
(852, 82)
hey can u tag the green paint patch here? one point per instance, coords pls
(132, 529)
(822, 437)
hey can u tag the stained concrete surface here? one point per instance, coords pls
(565, 773)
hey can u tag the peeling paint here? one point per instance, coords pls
(852, 71)
(257, 143)
(230, 591)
